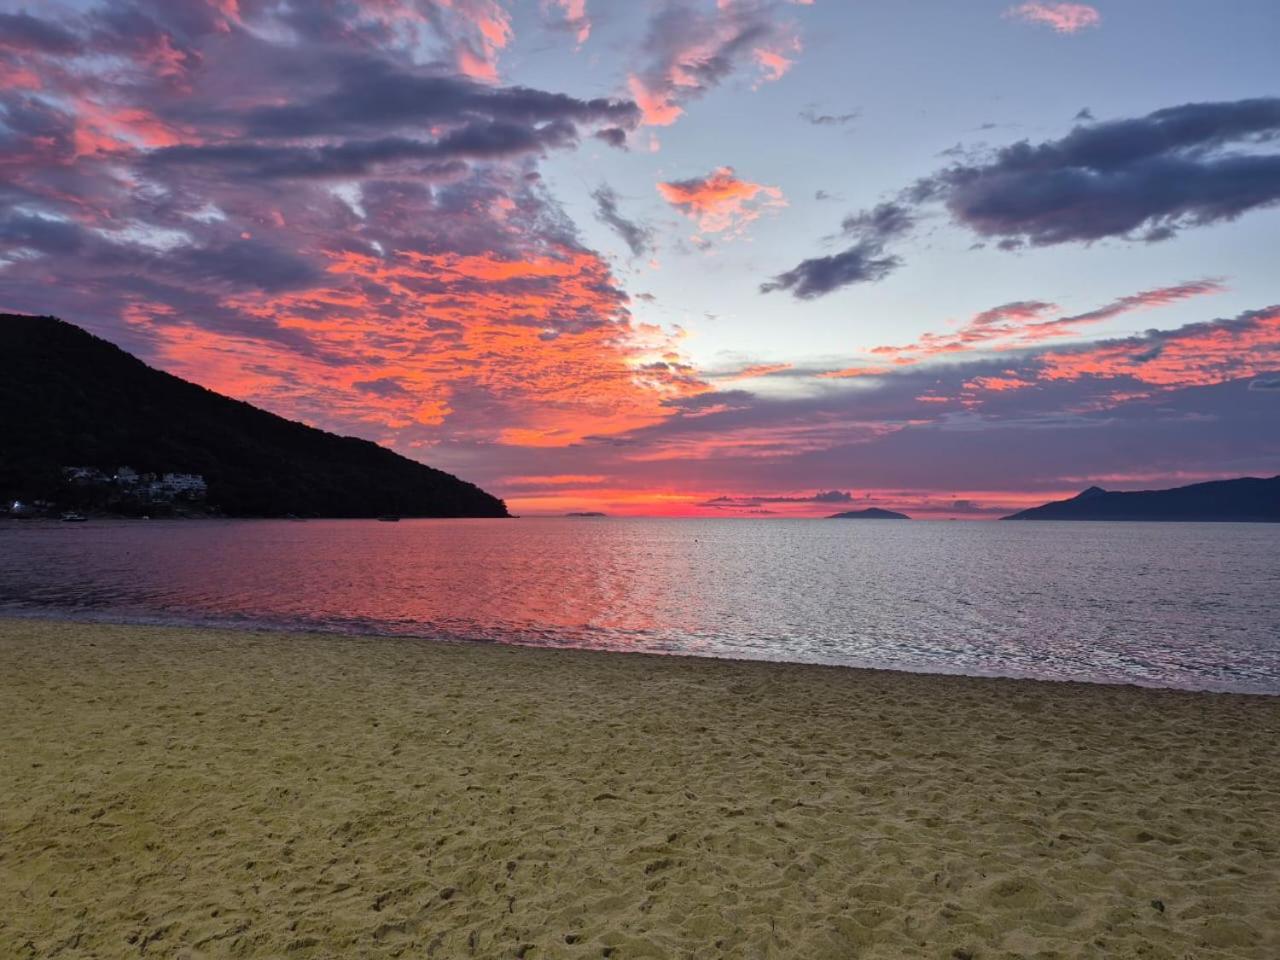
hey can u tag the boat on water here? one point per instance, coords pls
(72, 517)
(388, 518)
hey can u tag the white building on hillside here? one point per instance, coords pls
(178, 486)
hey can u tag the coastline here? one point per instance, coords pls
(208, 792)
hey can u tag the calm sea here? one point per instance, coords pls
(1179, 605)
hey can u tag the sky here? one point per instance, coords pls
(688, 257)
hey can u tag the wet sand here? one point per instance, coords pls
(189, 793)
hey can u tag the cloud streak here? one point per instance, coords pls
(638, 237)
(1024, 323)
(827, 119)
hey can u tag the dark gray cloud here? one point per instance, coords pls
(1267, 385)
(240, 264)
(341, 160)
(972, 508)
(371, 94)
(376, 113)
(383, 387)
(638, 237)
(865, 261)
(739, 503)
(827, 119)
(613, 136)
(21, 31)
(833, 496)
(1142, 178)
(881, 223)
(20, 231)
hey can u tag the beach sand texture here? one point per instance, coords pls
(188, 793)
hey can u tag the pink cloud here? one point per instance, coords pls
(474, 32)
(574, 14)
(1024, 323)
(691, 52)
(1062, 17)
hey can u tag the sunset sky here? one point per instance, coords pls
(717, 257)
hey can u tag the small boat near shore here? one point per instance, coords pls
(72, 517)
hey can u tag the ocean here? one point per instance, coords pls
(1193, 606)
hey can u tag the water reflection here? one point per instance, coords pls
(1180, 605)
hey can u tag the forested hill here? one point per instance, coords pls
(68, 398)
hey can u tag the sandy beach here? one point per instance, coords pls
(194, 793)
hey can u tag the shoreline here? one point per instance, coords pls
(92, 618)
(211, 792)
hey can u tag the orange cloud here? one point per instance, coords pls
(721, 201)
(542, 348)
(848, 373)
(755, 370)
(554, 480)
(1010, 381)
(1197, 355)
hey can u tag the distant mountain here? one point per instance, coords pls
(1245, 500)
(585, 514)
(70, 399)
(871, 513)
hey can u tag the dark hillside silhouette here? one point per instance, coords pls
(68, 398)
(1245, 500)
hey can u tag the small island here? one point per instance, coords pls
(583, 514)
(871, 513)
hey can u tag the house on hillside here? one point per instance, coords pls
(184, 486)
(84, 475)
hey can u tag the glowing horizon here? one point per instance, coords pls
(686, 258)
